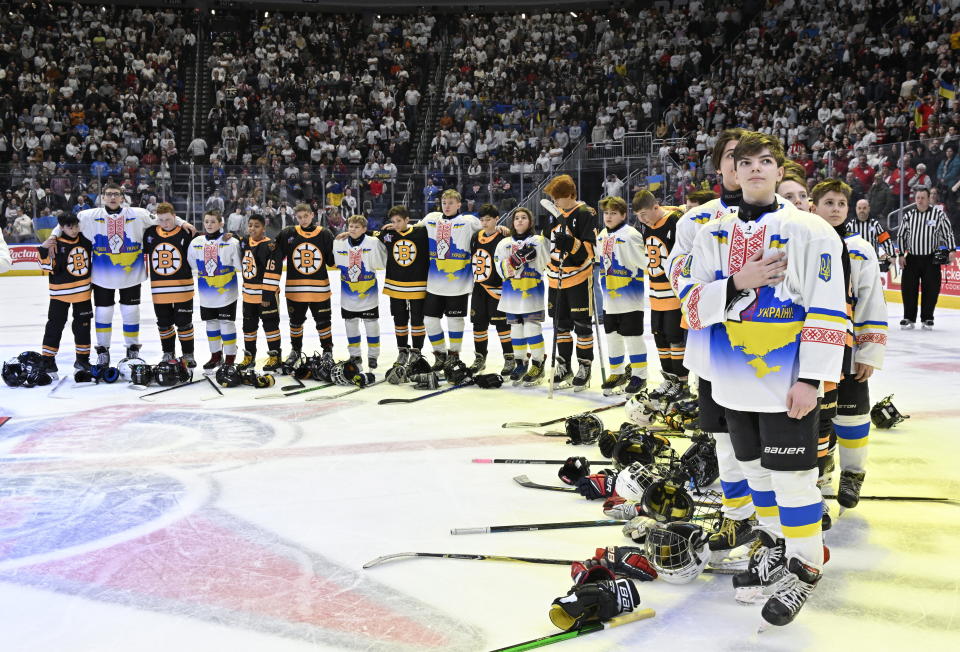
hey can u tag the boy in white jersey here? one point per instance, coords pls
(450, 276)
(623, 258)
(357, 256)
(852, 421)
(216, 261)
(777, 330)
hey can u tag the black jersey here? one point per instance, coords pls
(171, 277)
(581, 223)
(408, 261)
(485, 272)
(307, 253)
(659, 240)
(68, 266)
(261, 262)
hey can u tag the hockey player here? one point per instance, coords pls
(66, 259)
(215, 259)
(308, 250)
(852, 421)
(406, 281)
(570, 275)
(450, 277)
(622, 262)
(261, 263)
(116, 232)
(166, 247)
(357, 256)
(777, 328)
(487, 286)
(658, 225)
(520, 261)
(793, 186)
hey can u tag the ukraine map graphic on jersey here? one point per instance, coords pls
(766, 338)
(356, 280)
(214, 278)
(622, 285)
(448, 262)
(115, 255)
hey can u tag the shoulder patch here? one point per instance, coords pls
(824, 272)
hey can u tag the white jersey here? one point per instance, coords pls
(216, 263)
(117, 244)
(623, 259)
(869, 304)
(763, 340)
(688, 226)
(523, 289)
(451, 272)
(358, 280)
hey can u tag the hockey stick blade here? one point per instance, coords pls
(454, 555)
(388, 401)
(170, 389)
(639, 614)
(524, 481)
(533, 527)
(299, 391)
(346, 393)
(510, 460)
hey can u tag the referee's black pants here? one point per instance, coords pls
(921, 274)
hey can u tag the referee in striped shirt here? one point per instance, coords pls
(923, 230)
(870, 229)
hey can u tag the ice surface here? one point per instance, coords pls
(241, 524)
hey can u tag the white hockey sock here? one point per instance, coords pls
(435, 333)
(455, 324)
(228, 334)
(103, 317)
(519, 343)
(853, 435)
(801, 513)
(637, 350)
(372, 329)
(764, 498)
(737, 500)
(353, 336)
(533, 334)
(615, 352)
(214, 335)
(131, 323)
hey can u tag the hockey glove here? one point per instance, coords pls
(625, 561)
(593, 602)
(607, 443)
(564, 242)
(636, 530)
(574, 469)
(620, 508)
(598, 485)
(488, 381)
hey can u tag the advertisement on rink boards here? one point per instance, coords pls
(26, 260)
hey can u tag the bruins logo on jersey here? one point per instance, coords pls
(78, 263)
(656, 255)
(307, 258)
(166, 259)
(482, 265)
(249, 265)
(404, 252)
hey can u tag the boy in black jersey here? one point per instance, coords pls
(486, 293)
(66, 259)
(261, 262)
(165, 247)
(408, 257)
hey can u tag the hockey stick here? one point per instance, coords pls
(387, 401)
(596, 328)
(555, 212)
(213, 385)
(502, 460)
(454, 555)
(590, 628)
(299, 391)
(345, 393)
(524, 481)
(170, 389)
(923, 499)
(290, 388)
(529, 424)
(533, 527)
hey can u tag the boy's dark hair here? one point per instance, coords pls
(530, 217)
(644, 200)
(737, 133)
(258, 218)
(752, 143)
(830, 185)
(700, 197)
(488, 210)
(793, 171)
(110, 186)
(68, 219)
(399, 210)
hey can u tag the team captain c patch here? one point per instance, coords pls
(824, 273)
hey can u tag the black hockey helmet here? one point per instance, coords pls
(666, 501)
(253, 379)
(320, 367)
(456, 371)
(168, 374)
(13, 374)
(634, 444)
(228, 375)
(885, 415)
(141, 375)
(700, 460)
(583, 428)
(345, 372)
(34, 370)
